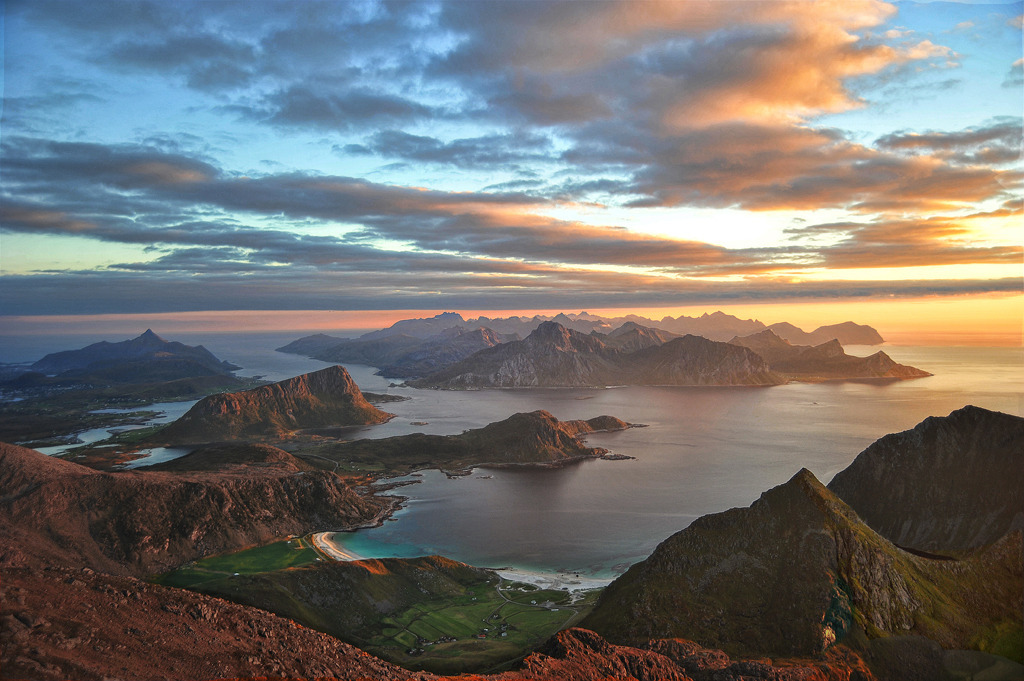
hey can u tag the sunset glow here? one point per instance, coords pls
(787, 160)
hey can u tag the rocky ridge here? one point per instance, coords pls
(951, 484)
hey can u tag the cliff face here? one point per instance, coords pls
(556, 356)
(328, 397)
(55, 512)
(796, 572)
(949, 484)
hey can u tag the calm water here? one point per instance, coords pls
(704, 450)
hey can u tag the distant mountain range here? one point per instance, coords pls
(145, 359)
(827, 361)
(554, 355)
(451, 352)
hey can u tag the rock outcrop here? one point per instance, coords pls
(554, 355)
(324, 398)
(579, 655)
(950, 484)
(798, 571)
(55, 512)
(827, 361)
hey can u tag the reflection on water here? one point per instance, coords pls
(705, 450)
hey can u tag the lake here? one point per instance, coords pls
(704, 450)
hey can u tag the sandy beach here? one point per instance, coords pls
(322, 542)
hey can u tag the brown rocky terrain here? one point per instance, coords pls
(827, 361)
(949, 484)
(58, 624)
(796, 572)
(328, 397)
(55, 512)
(72, 623)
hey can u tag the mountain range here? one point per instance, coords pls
(415, 348)
(554, 355)
(583, 350)
(951, 484)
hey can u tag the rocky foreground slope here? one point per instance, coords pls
(55, 512)
(950, 484)
(798, 571)
(328, 397)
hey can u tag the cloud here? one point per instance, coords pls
(997, 143)
(1015, 76)
(500, 150)
(132, 292)
(786, 167)
(305, 106)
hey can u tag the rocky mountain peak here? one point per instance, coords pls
(324, 398)
(950, 483)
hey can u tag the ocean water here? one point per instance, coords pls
(704, 450)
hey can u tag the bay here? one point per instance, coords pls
(704, 450)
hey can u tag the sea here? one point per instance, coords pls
(702, 450)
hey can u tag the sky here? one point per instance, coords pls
(173, 157)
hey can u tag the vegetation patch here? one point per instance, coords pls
(429, 613)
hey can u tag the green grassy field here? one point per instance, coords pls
(422, 613)
(480, 630)
(280, 555)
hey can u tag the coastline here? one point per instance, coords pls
(559, 580)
